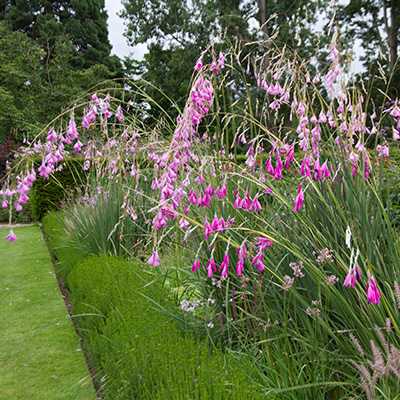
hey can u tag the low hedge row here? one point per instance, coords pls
(138, 351)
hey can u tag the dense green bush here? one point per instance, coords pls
(48, 194)
(139, 352)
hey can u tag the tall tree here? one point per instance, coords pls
(35, 89)
(376, 23)
(178, 31)
(82, 22)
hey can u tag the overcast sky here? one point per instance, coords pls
(115, 32)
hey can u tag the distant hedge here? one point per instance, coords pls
(48, 194)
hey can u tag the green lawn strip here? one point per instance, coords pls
(40, 353)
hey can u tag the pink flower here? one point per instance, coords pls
(317, 170)
(72, 132)
(322, 118)
(300, 110)
(264, 243)
(350, 279)
(95, 99)
(222, 192)
(216, 224)
(11, 236)
(78, 146)
(240, 264)
(299, 199)
(119, 114)
(214, 67)
(373, 294)
(289, 156)
(396, 111)
(383, 150)
(269, 168)
(154, 260)
(199, 64)
(211, 267)
(316, 79)
(325, 170)
(396, 134)
(224, 266)
(221, 60)
(258, 260)
(183, 223)
(51, 136)
(207, 229)
(305, 167)
(196, 265)
(278, 168)
(255, 204)
(193, 196)
(353, 157)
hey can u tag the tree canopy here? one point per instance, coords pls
(177, 32)
(35, 89)
(50, 53)
(376, 23)
(82, 23)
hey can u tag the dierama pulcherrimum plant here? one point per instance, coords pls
(277, 242)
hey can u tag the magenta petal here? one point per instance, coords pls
(358, 272)
(154, 260)
(11, 237)
(347, 281)
(196, 265)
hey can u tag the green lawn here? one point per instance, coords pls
(40, 353)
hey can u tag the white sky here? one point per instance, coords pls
(116, 29)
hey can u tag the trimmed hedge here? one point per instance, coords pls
(48, 194)
(138, 351)
(59, 243)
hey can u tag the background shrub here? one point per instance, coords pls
(48, 194)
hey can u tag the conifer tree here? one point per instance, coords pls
(82, 22)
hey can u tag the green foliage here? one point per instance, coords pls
(34, 88)
(391, 187)
(176, 32)
(106, 220)
(377, 25)
(64, 255)
(20, 83)
(82, 23)
(136, 349)
(18, 217)
(49, 194)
